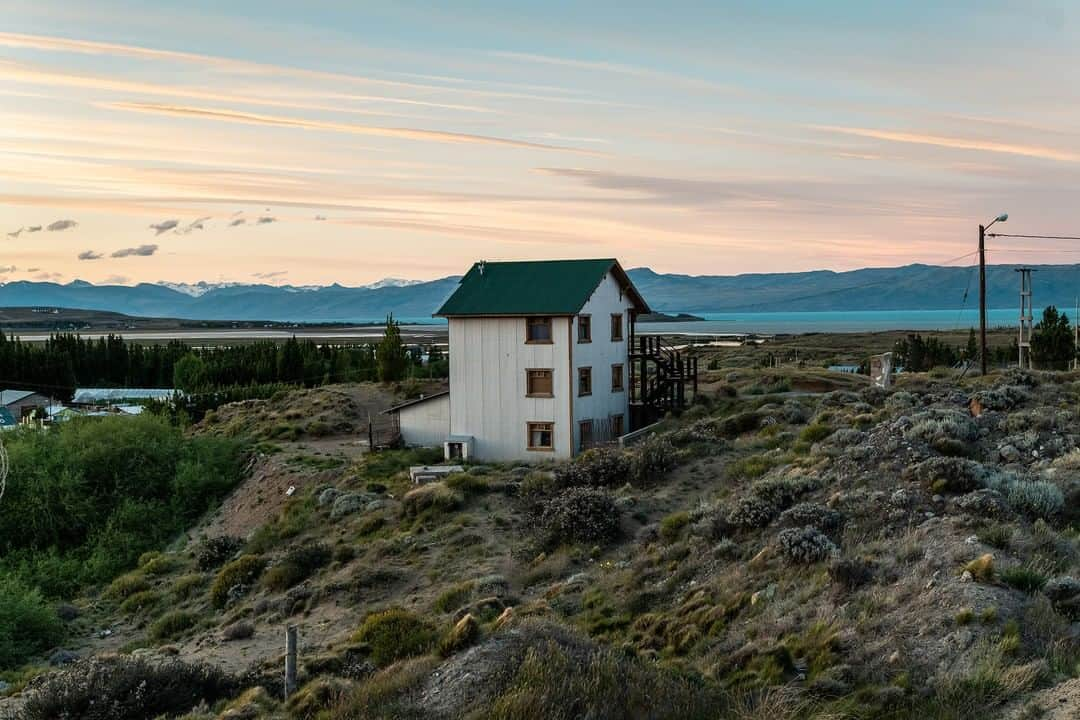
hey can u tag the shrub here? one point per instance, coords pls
(241, 630)
(653, 458)
(734, 425)
(580, 514)
(1036, 499)
(598, 467)
(298, 565)
(470, 483)
(172, 625)
(432, 498)
(1064, 593)
(395, 634)
(1023, 578)
(933, 425)
(186, 585)
(752, 466)
(240, 573)
(752, 512)
(453, 598)
(782, 491)
(671, 527)
(28, 624)
(464, 633)
(805, 545)
(851, 573)
(158, 564)
(998, 535)
(126, 585)
(812, 515)
(948, 474)
(214, 552)
(125, 688)
(142, 600)
(815, 432)
(982, 568)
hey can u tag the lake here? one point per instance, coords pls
(836, 321)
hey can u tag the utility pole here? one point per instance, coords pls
(982, 287)
(1026, 318)
(982, 298)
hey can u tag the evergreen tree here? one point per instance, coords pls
(391, 355)
(971, 351)
(1052, 343)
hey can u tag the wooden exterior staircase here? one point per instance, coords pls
(663, 379)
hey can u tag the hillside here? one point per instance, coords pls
(911, 287)
(827, 550)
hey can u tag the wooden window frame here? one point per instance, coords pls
(582, 424)
(583, 372)
(622, 429)
(529, 429)
(528, 377)
(617, 322)
(618, 372)
(587, 326)
(551, 330)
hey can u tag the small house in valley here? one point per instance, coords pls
(544, 364)
(22, 403)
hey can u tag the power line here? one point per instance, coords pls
(1035, 237)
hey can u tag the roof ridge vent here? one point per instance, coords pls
(482, 264)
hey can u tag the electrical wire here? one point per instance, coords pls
(1035, 237)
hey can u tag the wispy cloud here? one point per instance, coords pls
(33, 229)
(270, 275)
(957, 143)
(140, 251)
(400, 133)
(237, 221)
(15, 233)
(60, 225)
(265, 220)
(90, 255)
(49, 276)
(117, 280)
(164, 226)
(5, 269)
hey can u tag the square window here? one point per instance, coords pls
(584, 381)
(584, 328)
(617, 377)
(538, 383)
(538, 330)
(616, 327)
(541, 436)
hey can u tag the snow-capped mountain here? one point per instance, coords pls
(390, 282)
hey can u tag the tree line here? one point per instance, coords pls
(66, 361)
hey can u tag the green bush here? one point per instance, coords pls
(28, 624)
(454, 597)
(1023, 578)
(432, 498)
(298, 565)
(214, 552)
(139, 601)
(815, 432)
(244, 570)
(126, 585)
(172, 625)
(671, 527)
(395, 634)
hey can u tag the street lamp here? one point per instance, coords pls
(982, 287)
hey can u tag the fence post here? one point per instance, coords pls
(370, 435)
(290, 660)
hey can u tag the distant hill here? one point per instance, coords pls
(911, 287)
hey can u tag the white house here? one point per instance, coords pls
(540, 360)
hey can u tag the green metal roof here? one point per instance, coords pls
(542, 287)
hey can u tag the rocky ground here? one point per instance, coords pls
(787, 553)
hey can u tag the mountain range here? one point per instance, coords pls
(910, 287)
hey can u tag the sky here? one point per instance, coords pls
(343, 142)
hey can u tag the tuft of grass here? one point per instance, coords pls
(172, 625)
(244, 570)
(139, 601)
(395, 634)
(965, 616)
(982, 568)
(671, 527)
(454, 597)
(815, 432)
(1023, 578)
(997, 535)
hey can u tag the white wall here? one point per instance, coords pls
(601, 354)
(425, 424)
(488, 359)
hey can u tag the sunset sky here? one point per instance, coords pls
(320, 142)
